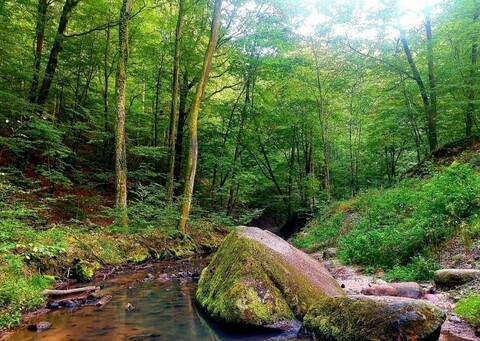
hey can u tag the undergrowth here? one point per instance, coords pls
(396, 229)
(36, 246)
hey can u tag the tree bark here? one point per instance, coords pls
(120, 90)
(470, 110)
(174, 111)
(57, 48)
(191, 165)
(39, 41)
(432, 110)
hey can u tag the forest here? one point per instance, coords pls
(140, 130)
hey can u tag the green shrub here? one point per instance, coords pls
(393, 226)
(469, 309)
(321, 235)
(419, 270)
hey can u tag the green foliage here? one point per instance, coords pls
(322, 235)
(469, 309)
(392, 228)
(420, 269)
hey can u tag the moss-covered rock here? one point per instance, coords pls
(370, 318)
(84, 270)
(452, 278)
(257, 279)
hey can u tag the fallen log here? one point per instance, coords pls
(103, 301)
(49, 292)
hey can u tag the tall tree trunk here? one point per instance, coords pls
(174, 113)
(156, 105)
(57, 48)
(120, 91)
(39, 41)
(323, 128)
(429, 103)
(106, 90)
(432, 110)
(191, 165)
(470, 111)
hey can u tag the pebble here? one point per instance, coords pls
(40, 326)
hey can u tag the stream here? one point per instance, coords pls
(164, 310)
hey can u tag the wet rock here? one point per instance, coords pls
(366, 318)
(452, 278)
(258, 280)
(129, 307)
(380, 290)
(68, 304)
(408, 289)
(40, 326)
(52, 305)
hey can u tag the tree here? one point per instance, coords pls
(174, 110)
(121, 90)
(192, 157)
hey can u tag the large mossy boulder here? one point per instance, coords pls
(374, 318)
(258, 280)
(452, 278)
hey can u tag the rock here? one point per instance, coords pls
(40, 326)
(380, 290)
(68, 304)
(455, 319)
(366, 318)
(452, 278)
(129, 307)
(330, 253)
(257, 280)
(84, 271)
(52, 305)
(408, 289)
(477, 332)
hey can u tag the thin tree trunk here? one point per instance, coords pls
(39, 41)
(174, 113)
(323, 128)
(191, 165)
(470, 111)
(57, 48)
(106, 90)
(432, 110)
(120, 90)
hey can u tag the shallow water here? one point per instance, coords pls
(163, 311)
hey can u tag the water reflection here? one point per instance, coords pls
(163, 311)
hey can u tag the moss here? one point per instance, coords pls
(246, 283)
(469, 309)
(84, 270)
(355, 319)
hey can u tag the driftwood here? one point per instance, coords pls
(48, 292)
(103, 301)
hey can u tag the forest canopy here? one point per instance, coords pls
(295, 103)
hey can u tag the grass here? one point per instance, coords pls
(469, 309)
(396, 229)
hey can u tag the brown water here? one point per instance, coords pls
(163, 311)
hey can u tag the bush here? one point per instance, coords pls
(394, 226)
(419, 270)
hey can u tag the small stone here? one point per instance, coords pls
(68, 304)
(53, 305)
(455, 319)
(129, 307)
(40, 326)
(342, 286)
